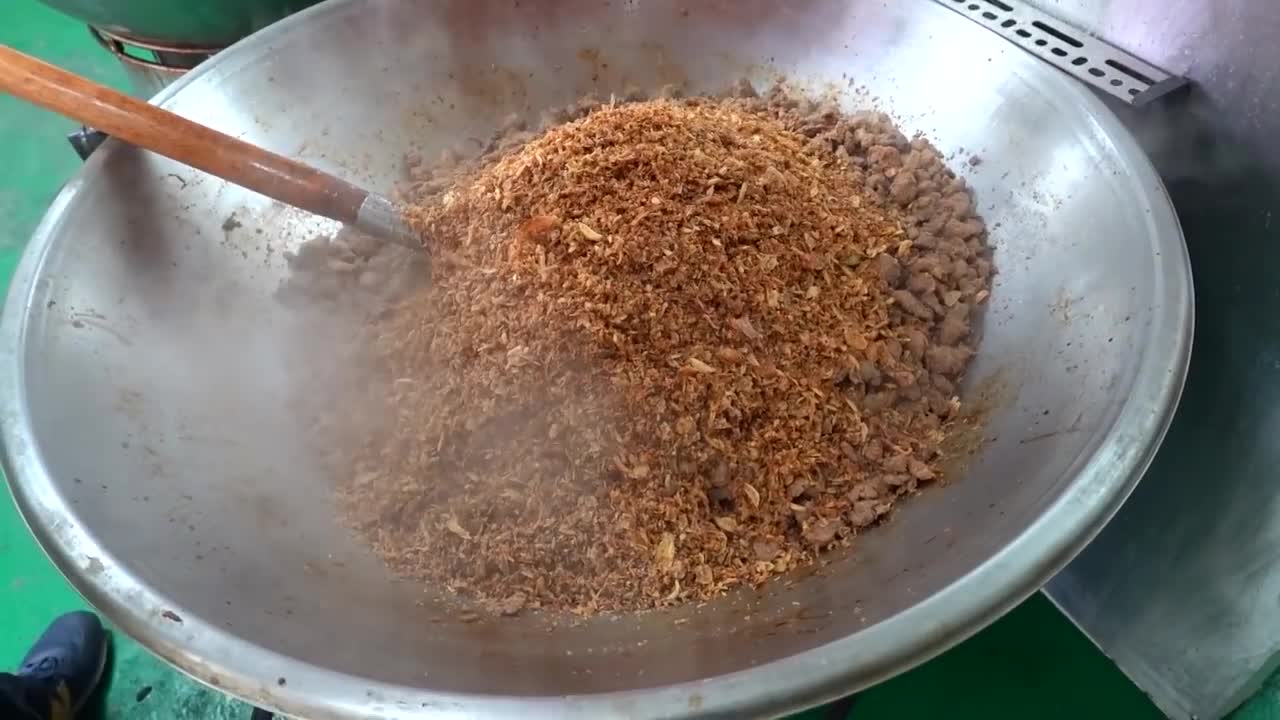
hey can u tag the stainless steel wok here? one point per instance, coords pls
(148, 445)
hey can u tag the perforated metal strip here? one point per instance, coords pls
(1093, 61)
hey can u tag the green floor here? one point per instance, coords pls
(1032, 663)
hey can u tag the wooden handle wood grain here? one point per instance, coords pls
(176, 137)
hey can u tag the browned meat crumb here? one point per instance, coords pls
(683, 346)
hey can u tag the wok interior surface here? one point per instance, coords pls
(151, 448)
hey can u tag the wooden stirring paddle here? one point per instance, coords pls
(177, 138)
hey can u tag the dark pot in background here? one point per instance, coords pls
(159, 40)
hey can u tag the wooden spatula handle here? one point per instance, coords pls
(176, 137)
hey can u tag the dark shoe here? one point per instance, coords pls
(65, 664)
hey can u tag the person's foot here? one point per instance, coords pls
(64, 666)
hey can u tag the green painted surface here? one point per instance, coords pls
(1032, 663)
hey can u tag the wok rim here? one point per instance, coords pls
(241, 668)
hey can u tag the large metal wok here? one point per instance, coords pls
(148, 444)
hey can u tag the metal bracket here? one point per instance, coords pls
(1094, 62)
(85, 140)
